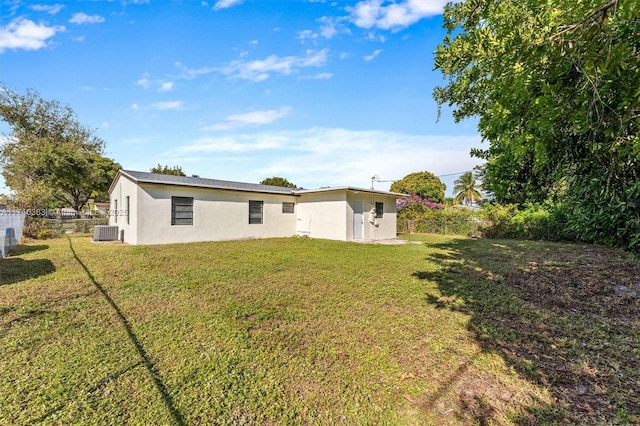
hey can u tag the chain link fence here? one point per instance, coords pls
(477, 227)
(42, 228)
(440, 226)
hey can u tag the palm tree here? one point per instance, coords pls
(466, 189)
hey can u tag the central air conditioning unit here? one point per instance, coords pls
(105, 233)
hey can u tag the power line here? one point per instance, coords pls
(453, 174)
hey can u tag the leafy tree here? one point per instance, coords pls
(425, 184)
(278, 181)
(49, 157)
(554, 84)
(166, 170)
(467, 190)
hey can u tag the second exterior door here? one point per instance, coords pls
(358, 220)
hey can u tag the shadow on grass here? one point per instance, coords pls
(144, 357)
(25, 249)
(14, 269)
(563, 316)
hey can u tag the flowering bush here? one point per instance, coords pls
(416, 214)
(415, 207)
(416, 202)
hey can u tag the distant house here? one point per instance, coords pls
(101, 209)
(151, 208)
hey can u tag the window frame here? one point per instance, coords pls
(288, 207)
(254, 219)
(379, 209)
(181, 202)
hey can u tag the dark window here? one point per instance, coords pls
(287, 207)
(379, 209)
(128, 205)
(115, 210)
(182, 210)
(255, 212)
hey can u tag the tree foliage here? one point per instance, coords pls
(49, 157)
(278, 181)
(466, 190)
(425, 184)
(555, 85)
(166, 170)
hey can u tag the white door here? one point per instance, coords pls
(358, 220)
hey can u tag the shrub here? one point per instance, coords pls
(496, 220)
(532, 222)
(85, 226)
(416, 214)
(41, 229)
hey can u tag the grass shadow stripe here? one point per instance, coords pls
(144, 357)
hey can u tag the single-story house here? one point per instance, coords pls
(151, 208)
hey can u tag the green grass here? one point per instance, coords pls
(291, 331)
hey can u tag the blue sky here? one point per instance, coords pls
(323, 93)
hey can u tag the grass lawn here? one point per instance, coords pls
(302, 331)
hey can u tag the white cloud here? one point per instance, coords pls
(373, 55)
(259, 70)
(327, 156)
(393, 16)
(230, 145)
(319, 76)
(25, 34)
(168, 105)
(82, 18)
(191, 73)
(250, 119)
(166, 86)
(144, 81)
(223, 4)
(51, 9)
(306, 35)
(331, 26)
(134, 106)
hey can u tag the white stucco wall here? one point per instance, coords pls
(329, 214)
(224, 214)
(121, 215)
(217, 215)
(322, 215)
(374, 228)
(385, 227)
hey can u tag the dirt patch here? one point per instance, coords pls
(584, 345)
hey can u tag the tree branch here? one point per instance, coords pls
(601, 10)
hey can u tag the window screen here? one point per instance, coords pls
(255, 212)
(182, 210)
(288, 207)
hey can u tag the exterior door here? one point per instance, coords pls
(358, 220)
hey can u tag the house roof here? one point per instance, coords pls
(155, 178)
(198, 182)
(349, 188)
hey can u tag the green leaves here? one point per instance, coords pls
(50, 157)
(555, 86)
(425, 184)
